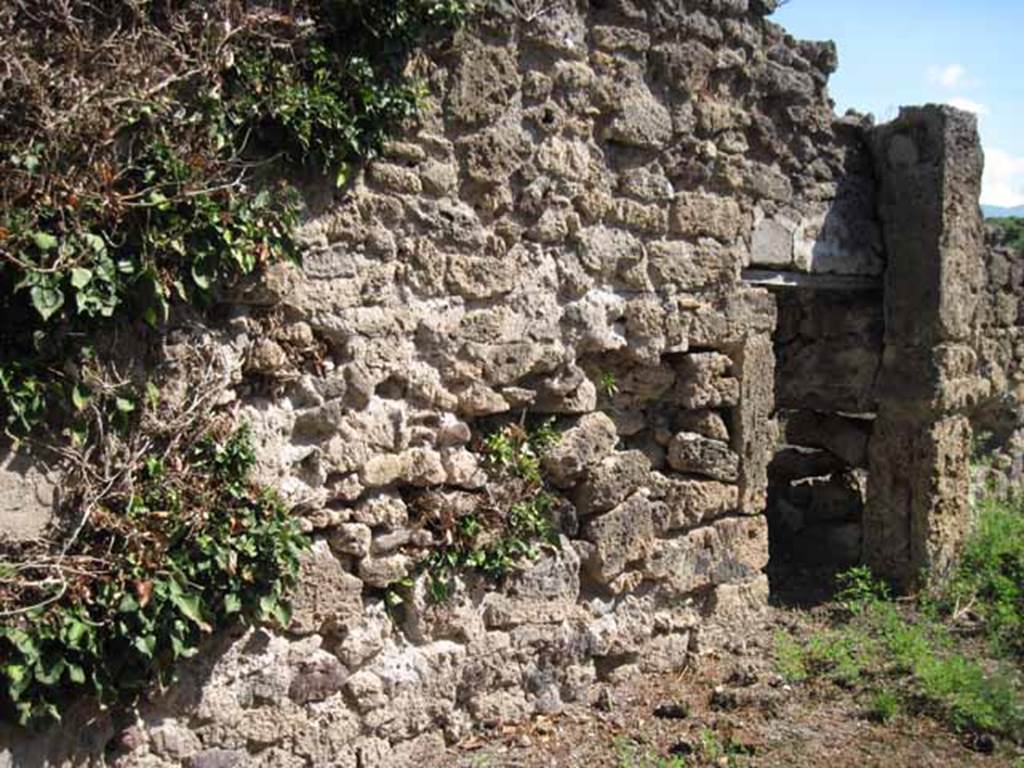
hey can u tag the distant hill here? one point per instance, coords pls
(994, 211)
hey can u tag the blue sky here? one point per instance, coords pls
(964, 52)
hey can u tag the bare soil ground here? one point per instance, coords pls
(731, 709)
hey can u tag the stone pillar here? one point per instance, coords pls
(929, 165)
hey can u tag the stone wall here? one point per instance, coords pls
(597, 193)
(998, 419)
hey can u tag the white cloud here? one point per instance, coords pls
(968, 105)
(952, 76)
(1004, 179)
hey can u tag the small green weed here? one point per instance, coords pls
(709, 750)
(857, 589)
(630, 754)
(608, 385)
(884, 706)
(790, 658)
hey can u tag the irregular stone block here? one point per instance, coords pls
(731, 550)
(620, 537)
(351, 539)
(325, 594)
(773, 244)
(689, 503)
(704, 422)
(27, 497)
(593, 438)
(703, 382)
(317, 679)
(642, 121)
(384, 509)
(611, 481)
(695, 454)
(702, 215)
(384, 571)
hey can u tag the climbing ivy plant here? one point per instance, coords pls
(143, 145)
(190, 548)
(150, 152)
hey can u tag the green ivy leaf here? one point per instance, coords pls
(201, 280)
(79, 397)
(44, 241)
(47, 301)
(189, 605)
(80, 277)
(146, 645)
(95, 242)
(232, 603)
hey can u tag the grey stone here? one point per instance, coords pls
(593, 438)
(691, 453)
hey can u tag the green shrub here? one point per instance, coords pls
(857, 589)
(160, 566)
(1011, 230)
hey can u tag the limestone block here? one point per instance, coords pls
(593, 438)
(351, 539)
(494, 154)
(611, 481)
(484, 276)
(554, 576)
(219, 758)
(731, 550)
(690, 267)
(28, 496)
(691, 453)
(384, 571)
(690, 503)
(415, 466)
(703, 422)
(485, 83)
(395, 178)
(772, 244)
(382, 509)
(648, 183)
(324, 594)
(317, 678)
(478, 399)
(612, 39)
(365, 690)
(602, 249)
(621, 536)
(703, 382)
(703, 215)
(651, 219)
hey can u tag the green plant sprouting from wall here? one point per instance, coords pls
(515, 521)
(190, 546)
(144, 149)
